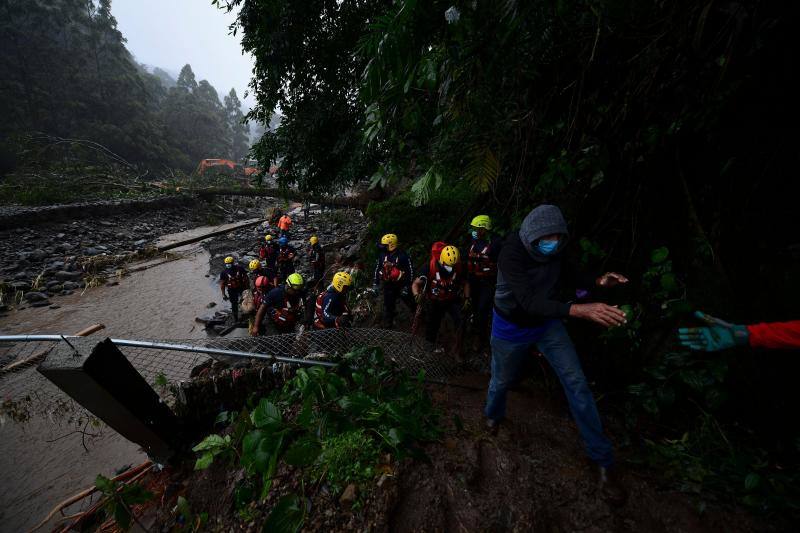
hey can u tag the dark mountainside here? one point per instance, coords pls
(67, 74)
(663, 130)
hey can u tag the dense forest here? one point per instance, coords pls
(67, 74)
(664, 131)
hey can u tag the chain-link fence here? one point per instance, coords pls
(167, 365)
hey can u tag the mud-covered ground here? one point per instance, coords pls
(532, 475)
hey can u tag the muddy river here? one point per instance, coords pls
(160, 302)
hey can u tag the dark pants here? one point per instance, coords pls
(482, 293)
(508, 358)
(234, 295)
(391, 293)
(284, 269)
(319, 273)
(436, 311)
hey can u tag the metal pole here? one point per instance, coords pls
(176, 348)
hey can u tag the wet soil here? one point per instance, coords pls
(531, 475)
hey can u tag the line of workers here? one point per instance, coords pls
(445, 284)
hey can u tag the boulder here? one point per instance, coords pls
(35, 296)
(70, 286)
(63, 275)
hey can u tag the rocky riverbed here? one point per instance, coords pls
(44, 261)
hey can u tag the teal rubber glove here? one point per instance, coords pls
(718, 335)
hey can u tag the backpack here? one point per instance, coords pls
(436, 253)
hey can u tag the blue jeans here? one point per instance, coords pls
(507, 361)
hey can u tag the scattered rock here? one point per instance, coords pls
(140, 242)
(64, 275)
(70, 286)
(20, 285)
(37, 255)
(41, 303)
(91, 251)
(54, 306)
(35, 296)
(349, 496)
(211, 304)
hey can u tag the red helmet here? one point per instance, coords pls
(262, 282)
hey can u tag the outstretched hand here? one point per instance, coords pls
(603, 314)
(718, 335)
(611, 279)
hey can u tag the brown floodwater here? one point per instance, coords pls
(160, 302)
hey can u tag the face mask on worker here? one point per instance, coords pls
(228, 265)
(547, 247)
(474, 233)
(447, 268)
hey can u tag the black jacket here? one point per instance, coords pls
(529, 290)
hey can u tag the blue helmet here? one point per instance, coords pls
(283, 241)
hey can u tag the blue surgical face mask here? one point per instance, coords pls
(474, 233)
(547, 247)
(228, 265)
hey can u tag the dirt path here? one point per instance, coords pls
(531, 476)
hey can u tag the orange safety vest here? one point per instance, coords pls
(285, 223)
(479, 264)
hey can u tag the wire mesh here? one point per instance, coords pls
(26, 393)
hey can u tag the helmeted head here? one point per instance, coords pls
(313, 240)
(262, 282)
(449, 257)
(255, 264)
(229, 261)
(389, 241)
(268, 237)
(283, 241)
(544, 232)
(294, 282)
(480, 226)
(342, 281)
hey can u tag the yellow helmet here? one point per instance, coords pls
(313, 240)
(255, 264)
(229, 260)
(341, 280)
(295, 281)
(267, 237)
(482, 221)
(390, 240)
(449, 256)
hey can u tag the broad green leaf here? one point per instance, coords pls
(659, 255)
(204, 461)
(211, 442)
(222, 418)
(302, 452)
(752, 481)
(267, 413)
(104, 484)
(286, 516)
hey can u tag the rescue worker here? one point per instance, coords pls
(284, 224)
(316, 256)
(721, 335)
(394, 269)
(233, 278)
(261, 287)
(285, 261)
(283, 305)
(268, 251)
(481, 274)
(257, 269)
(528, 312)
(331, 309)
(441, 286)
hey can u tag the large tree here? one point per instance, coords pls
(239, 127)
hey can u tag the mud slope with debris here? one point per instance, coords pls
(531, 476)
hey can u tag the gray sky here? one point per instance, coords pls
(171, 33)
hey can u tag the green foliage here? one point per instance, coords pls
(416, 228)
(120, 498)
(330, 425)
(67, 73)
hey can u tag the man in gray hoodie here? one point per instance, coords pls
(529, 310)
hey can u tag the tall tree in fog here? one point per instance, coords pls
(240, 139)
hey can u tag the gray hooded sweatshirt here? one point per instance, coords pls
(529, 282)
